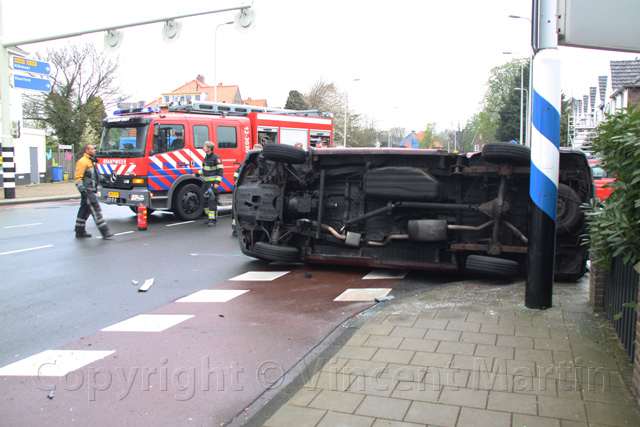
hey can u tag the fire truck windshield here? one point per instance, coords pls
(123, 141)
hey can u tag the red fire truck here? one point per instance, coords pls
(147, 155)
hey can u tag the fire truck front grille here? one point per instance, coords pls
(120, 183)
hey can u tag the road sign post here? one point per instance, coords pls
(545, 161)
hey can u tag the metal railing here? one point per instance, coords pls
(621, 287)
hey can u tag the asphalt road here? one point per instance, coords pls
(56, 289)
(61, 294)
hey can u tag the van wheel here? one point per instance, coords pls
(134, 209)
(284, 153)
(494, 266)
(506, 152)
(568, 213)
(275, 253)
(187, 205)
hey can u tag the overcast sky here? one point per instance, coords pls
(417, 61)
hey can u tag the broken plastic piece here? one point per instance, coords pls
(383, 299)
(50, 395)
(135, 282)
(146, 285)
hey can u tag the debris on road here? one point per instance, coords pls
(146, 285)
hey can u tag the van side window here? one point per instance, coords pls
(227, 137)
(200, 136)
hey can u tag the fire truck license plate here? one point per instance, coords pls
(114, 194)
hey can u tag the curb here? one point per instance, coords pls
(20, 201)
(269, 402)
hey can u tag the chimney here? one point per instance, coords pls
(200, 78)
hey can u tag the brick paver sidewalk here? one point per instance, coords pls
(471, 355)
(45, 191)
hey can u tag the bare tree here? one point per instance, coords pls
(83, 82)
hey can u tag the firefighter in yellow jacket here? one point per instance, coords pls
(86, 180)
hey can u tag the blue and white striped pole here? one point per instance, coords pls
(545, 162)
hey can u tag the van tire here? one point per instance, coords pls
(187, 205)
(493, 266)
(284, 153)
(568, 213)
(506, 152)
(275, 253)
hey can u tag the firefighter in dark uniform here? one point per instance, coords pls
(86, 180)
(212, 173)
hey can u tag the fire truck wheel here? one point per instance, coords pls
(134, 209)
(490, 265)
(506, 152)
(275, 253)
(284, 153)
(186, 204)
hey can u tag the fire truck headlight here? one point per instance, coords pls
(138, 180)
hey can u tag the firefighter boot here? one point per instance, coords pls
(82, 235)
(213, 215)
(106, 233)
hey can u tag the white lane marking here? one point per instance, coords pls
(148, 323)
(385, 274)
(25, 250)
(118, 234)
(259, 276)
(364, 294)
(213, 295)
(179, 223)
(54, 363)
(23, 225)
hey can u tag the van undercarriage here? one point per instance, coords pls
(410, 209)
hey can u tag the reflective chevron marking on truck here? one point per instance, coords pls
(119, 169)
(165, 168)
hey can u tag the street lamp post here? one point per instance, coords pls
(522, 90)
(215, 60)
(346, 100)
(530, 90)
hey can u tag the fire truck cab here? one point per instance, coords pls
(147, 156)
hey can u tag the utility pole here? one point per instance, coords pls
(8, 164)
(545, 156)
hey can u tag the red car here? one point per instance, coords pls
(600, 179)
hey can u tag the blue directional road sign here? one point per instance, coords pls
(32, 83)
(30, 65)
